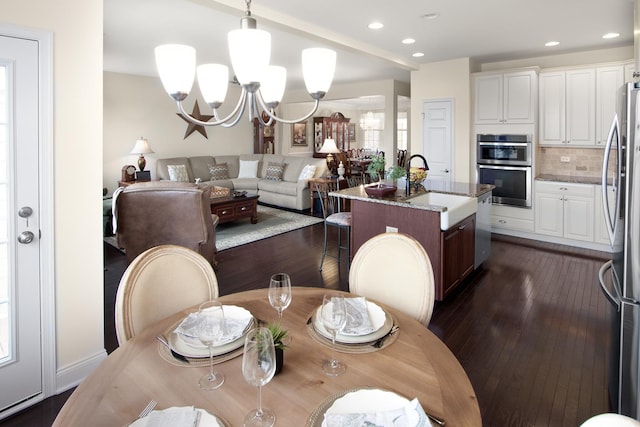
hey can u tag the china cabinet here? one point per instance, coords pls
(335, 127)
(263, 136)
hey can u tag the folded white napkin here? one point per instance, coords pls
(410, 415)
(185, 416)
(236, 320)
(358, 319)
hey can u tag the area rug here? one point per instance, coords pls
(271, 222)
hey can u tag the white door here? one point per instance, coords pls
(437, 138)
(20, 299)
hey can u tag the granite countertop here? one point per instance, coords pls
(570, 178)
(400, 199)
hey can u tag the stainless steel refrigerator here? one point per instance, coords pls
(620, 277)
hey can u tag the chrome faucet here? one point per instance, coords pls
(426, 167)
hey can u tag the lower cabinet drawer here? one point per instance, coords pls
(225, 211)
(511, 223)
(240, 209)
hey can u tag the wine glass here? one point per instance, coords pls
(258, 367)
(334, 318)
(280, 292)
(210, 328)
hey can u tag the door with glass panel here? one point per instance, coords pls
(20, 297)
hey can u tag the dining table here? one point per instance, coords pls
(412, 363)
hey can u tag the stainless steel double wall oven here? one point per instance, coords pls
(505, 161)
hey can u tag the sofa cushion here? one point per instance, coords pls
(294, 166)
(200, 166)
(248, 169)
(246, 184)
(274, 171)
(178, 173)
(233, 164)
(163, 173)
(308, 172)
(278, 187)
(218, 171)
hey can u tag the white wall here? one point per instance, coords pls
(445, 80)
(77, 139)
(136, 106)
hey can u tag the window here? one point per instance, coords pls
(372, 125)
(402, 130)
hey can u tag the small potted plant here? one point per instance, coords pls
(280, 336)
(376, 170)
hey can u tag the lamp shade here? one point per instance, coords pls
(273, 83)
(213, 80)
(318, 68)
(176, 65)
(142, 147)
(329, 147)
(250, 52)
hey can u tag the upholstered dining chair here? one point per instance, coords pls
(394, 269)
(158, 283)
(156, 213)
(333, 217)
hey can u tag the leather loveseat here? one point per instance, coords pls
(289, 189)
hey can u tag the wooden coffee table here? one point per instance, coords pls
(229, 208)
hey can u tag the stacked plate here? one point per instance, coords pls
(180, 416)
(380, 321)
(184, 341)
(374, 407)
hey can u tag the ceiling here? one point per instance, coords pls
(484, 30)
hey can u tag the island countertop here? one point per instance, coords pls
(400, 199)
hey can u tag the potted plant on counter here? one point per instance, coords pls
(377, 172)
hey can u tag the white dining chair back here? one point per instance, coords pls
(394, 269)
(610, 420)
(158, 283)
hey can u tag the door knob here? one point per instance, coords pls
(446, 171)
(25, 237)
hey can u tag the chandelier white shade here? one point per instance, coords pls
(262, 84)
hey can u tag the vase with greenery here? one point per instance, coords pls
(376, 170)
(280, 338)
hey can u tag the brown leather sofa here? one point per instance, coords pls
(157, 213)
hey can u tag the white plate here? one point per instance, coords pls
(375, 400)
(380, 319)
(206, 420)
(237, 318)
(178, 344)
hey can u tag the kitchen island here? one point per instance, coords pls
(448, 219)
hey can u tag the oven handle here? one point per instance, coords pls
(506, 144)
(504, 167)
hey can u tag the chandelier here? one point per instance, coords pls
(368, 121)
(262, 84)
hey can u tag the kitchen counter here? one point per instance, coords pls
(570, 178)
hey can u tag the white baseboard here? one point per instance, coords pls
(550, 239)
(72, 375)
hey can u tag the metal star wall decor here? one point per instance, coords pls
(192, 127)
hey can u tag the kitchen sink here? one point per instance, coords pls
(458, 207)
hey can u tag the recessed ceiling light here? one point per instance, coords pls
(376, 25)
(611, 35)
(430, 16)
(408, 41)
(553, 43)
(418, 55)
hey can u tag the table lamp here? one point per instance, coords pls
(330, 148)
(142, 148)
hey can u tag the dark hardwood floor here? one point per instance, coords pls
(530, 327)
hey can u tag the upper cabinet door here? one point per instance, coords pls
(608, 81)
(581, 104)
(552, 108)
(505, 98)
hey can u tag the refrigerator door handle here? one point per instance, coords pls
(610, 221)
(615, 300)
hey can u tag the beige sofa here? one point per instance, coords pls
(289, 192)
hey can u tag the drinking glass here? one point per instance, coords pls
(258, 367)
(210, 328)
(280, 292)
(334, 318)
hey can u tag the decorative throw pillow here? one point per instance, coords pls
(218, 171)
(308, 172)
(178, 173)
(275, 171)
(248, 169)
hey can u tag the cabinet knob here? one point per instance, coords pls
(502, 221)
(224, 212)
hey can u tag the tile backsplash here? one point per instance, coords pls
(583, 162)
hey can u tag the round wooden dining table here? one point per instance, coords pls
(416, 364)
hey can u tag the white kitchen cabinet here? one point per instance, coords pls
(564, 210)
(608, 81)
(567, 102)
(505, 97)
(601, 235)
(629, 68)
